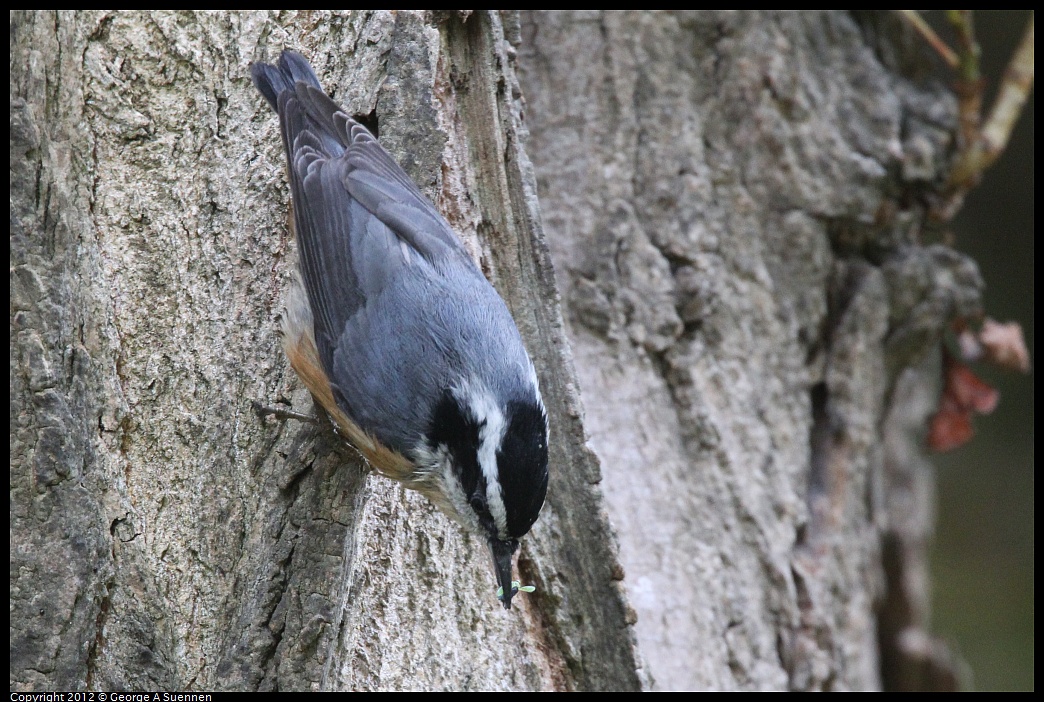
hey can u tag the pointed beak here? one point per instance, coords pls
(502, 551)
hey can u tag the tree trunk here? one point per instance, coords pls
(734, 205)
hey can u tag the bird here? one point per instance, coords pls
(395, 331)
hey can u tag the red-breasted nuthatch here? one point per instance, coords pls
(397, 334)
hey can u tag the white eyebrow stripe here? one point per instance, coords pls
(474, 395)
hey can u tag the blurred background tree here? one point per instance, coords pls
(982, 564)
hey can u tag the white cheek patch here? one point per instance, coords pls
(439, 463)
(475, 396)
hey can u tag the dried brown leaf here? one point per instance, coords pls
(1005, 345)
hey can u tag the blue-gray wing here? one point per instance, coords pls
(430, 332)
(401, 314)
(360, 221)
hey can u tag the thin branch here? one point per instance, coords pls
(1013, 93)
(913, 17)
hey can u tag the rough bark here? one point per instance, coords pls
(165, 537)
(733, 203)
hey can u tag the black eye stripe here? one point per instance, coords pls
(451, 426)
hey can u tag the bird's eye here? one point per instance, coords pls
(478, 503)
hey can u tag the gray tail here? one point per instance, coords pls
(271, 80)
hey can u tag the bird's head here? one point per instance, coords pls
(490, 458)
